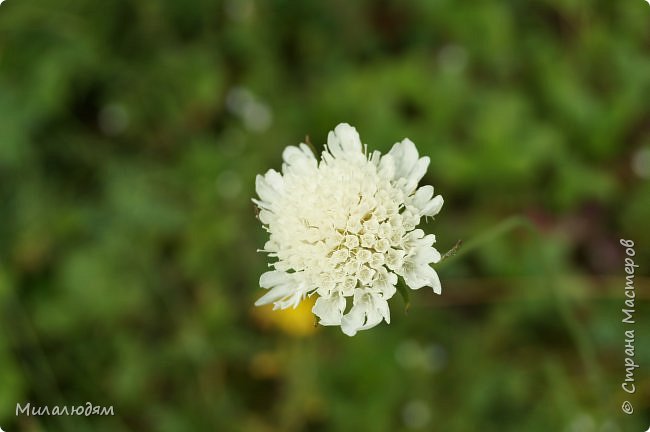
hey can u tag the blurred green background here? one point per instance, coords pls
(130, 135)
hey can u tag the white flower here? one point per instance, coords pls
(344, 228)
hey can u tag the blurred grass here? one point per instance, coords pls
(131, 133)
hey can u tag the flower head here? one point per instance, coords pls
(344, 229)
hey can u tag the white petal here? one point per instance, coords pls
(274, 294)
(377, 311)
(375, 157)
(409, 170)
(275, 180)
(368, 310)
(291, 300)
(435, 282)
(419, 247)
(284, 291)
(414, 236)
(426, 255)
(353, 320)
(299, 160)
(422, 196)
(269, 186)
(265, 216)
(416, 174)
(344, 142)
(386, 167)
(433, 207)
(273, 278)
(329, 310)
(373, 317)
(405, 155)
(418, 276)
(385, 282)
(349, 137)
(429, 277)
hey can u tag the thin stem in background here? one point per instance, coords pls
(578, 333)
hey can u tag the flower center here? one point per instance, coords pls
(371, 240)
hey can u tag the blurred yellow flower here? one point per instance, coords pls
(298, 322)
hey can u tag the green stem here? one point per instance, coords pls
(493, 233)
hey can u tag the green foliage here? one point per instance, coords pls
(130, 136)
